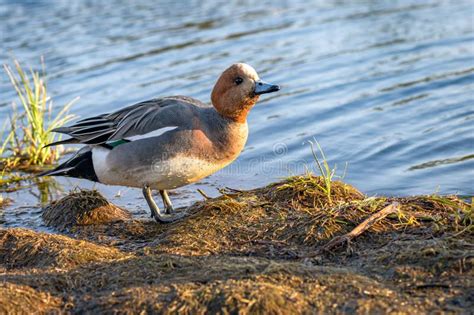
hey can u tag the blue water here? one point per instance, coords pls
(386, 86)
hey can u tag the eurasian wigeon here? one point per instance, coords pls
(166, 143)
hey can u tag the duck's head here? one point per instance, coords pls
(237, 90)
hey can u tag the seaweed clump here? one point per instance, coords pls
(82, 207)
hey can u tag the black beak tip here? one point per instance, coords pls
(263, 88)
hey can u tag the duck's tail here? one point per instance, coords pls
(66, 141)
(79, 166)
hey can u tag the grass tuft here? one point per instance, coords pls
(82, 207)
(30, 129)
(327, 173)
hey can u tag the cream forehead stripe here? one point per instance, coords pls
(249, 71)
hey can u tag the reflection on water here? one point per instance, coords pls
(441, 162)
(48, 189)
(385, 86)
(27, 196)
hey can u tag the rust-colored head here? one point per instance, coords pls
(237, 90)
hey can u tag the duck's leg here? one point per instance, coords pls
(167, 202)
(155, 210)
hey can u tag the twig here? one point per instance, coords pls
(233, 189)
(203, 194)
(431, 285)
(358, 230)
(230, 192)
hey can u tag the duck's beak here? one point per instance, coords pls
(262, 87)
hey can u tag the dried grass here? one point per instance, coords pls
(228, 285)
(292, 218)
(20, 299)
(244, 253)
(82, 207)
(22, 248)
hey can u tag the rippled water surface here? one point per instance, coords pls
(386, 86)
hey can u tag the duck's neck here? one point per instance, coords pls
(236, 111)
(231, 135)
(236, 137)
(239, 117)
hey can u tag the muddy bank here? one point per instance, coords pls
(256, 251)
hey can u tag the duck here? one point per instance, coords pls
(165, 143)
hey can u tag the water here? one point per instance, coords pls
(386, 86)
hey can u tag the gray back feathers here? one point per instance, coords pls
(134, 120)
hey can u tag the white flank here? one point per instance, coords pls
(154, 133)
(99, 161)
(179, 171)
(168, 174)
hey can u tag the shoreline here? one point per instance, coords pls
(254, 251)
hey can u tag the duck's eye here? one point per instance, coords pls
(238, 80)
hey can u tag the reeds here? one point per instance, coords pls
(30, 129)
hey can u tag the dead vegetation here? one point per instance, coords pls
(22, 248)
(21, 299)
(82, 207)
(255, 252)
